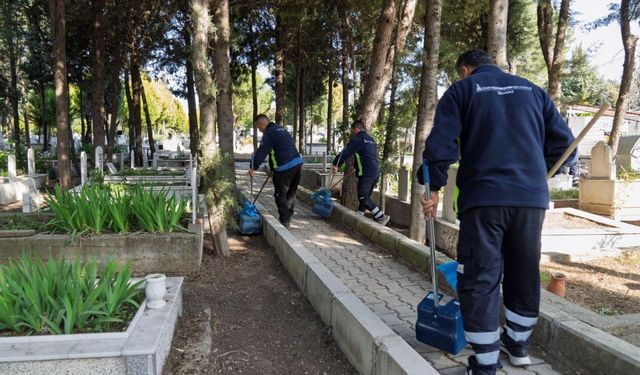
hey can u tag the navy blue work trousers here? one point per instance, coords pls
(497, 241)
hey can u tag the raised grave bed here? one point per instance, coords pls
(141, 349)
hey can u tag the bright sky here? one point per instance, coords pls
(608, 54)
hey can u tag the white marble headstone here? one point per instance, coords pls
(602, 163)
(31, 162)
(83, 168)
(11, 166)
(99, 160)
(132, 158)
(112, 169)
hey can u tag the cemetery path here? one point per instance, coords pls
(244, 314)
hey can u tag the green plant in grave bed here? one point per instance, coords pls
(628, 175)
(98, 209)
(157, 211)
(564, 194)
(62, 297)
(19, 222)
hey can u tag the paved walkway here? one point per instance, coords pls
(388, 287)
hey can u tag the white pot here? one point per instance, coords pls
(155, 289)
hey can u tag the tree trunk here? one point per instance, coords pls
(497, 43)
(13, 66)
(296, 101)
(62, 93)
(44, 131)
(83, 127)
(383, 56)
(136, 84)
(329, 111)
(279, 72)
(115, 82)
(145, 106)
(27, 133)
(345, 93)
(223, 77)
(97, 95)
(254, 101)
(545, 30)
(301, 109)
(426, 109)
(558, 55)
(391, 134)
(553, 54)
(203, 79)
(131, 125)
(348, 197)
(629, 41)
(193, 111)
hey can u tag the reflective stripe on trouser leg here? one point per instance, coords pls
(519, 327)
(484, 344)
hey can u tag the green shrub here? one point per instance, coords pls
(18, 222)
(564, 194)
(60, 297)
(628, 175)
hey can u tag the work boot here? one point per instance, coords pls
(383, 220)
(518, 353)
(477, 369)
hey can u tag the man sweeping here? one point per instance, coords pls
(365, 151)
(506, 134)
(284, 161)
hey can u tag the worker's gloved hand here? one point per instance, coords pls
(431, 205)
(252, 173)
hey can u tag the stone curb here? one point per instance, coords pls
(369, 344)
(567, 339)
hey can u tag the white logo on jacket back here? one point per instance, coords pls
(501, 90)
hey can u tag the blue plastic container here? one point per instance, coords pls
(249, 221)
(322, 203)
(441, 326)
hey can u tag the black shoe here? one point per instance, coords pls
(286, 224)
(383, 220)
(475, 368)
(518, 354)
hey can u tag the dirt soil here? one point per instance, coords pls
(608, 286)
(561, 220)
(244, 315)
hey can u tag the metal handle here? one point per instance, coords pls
(251, 175)
(431, 234)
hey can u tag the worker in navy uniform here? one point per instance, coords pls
(364, 149)
(506, 134)
(284, 161)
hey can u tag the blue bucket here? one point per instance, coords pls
(322, 202)
(249, 221)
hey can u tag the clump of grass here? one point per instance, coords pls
(60, 297)
(545, 277)
(564, 194)
(628, 175)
